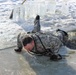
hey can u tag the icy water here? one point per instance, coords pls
(12, 63)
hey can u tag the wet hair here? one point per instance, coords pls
(27, 40)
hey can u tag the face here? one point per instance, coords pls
(30, 46)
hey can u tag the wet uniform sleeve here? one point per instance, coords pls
(20, 38)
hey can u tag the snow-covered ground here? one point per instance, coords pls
(9, 29)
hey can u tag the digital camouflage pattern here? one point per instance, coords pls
(37, 26)
(49, 41)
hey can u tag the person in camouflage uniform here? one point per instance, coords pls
(41, 43)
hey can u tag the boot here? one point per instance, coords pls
(18, 50)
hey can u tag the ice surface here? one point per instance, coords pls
(12, 63)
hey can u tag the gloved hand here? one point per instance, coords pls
(56, 57)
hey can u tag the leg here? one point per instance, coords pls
(71, 43)
(19, 44)
(63, 36)
(36, 24)
(63, 32)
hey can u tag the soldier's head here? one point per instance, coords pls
(28, 43)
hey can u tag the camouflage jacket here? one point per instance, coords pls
(49, 41)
